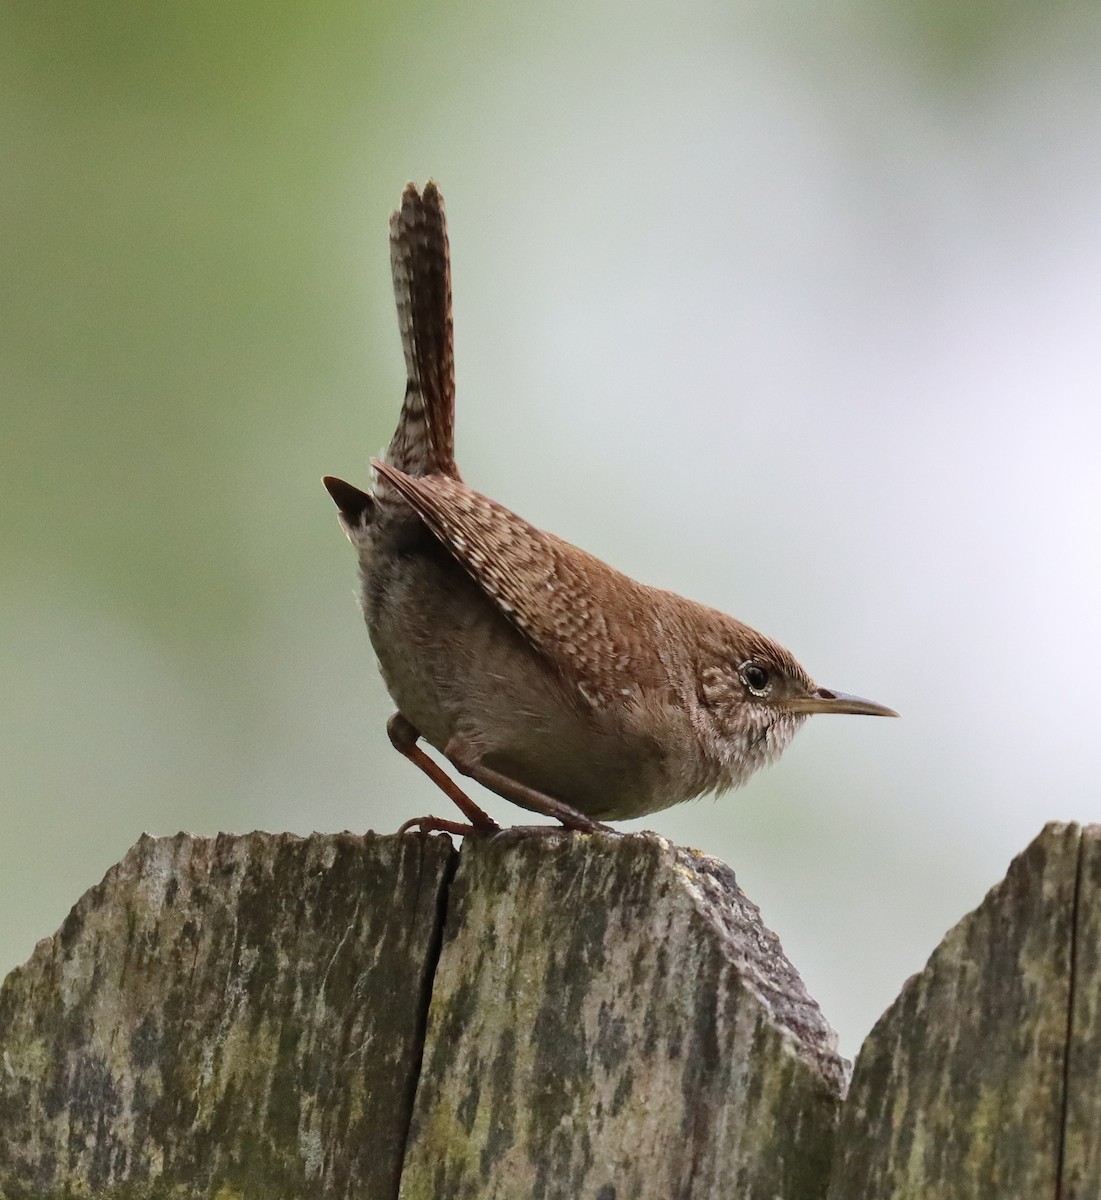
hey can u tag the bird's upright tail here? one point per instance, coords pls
(424, 441)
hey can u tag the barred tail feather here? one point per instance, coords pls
(424, 441)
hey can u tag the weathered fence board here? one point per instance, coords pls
(239, 1013)
(959, 1090)
(599, 1018)
(1081, 1173)
(612, 1020)
(244, 1018)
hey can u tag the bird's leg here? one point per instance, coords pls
(403, 737)
(519, 793)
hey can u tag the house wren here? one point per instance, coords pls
(533, 667)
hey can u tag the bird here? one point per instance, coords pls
(531, 666)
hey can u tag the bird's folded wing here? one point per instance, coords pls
(557, 596)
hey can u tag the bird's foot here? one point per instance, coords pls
(442, 825)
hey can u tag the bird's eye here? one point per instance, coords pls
(756, 678)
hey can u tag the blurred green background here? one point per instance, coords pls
(792, 308)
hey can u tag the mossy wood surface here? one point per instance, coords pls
(245, 1017)
(561, 1016)
(616, 1022)
(230, 1017)
(1080, 1178)
(983, 1080)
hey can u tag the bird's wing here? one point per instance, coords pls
(595, 625)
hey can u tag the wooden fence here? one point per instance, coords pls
(584, 1018)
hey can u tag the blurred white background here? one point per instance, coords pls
(790, 308)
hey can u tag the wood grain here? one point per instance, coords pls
(239, 1016)
(611, 1019)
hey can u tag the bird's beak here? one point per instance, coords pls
(822, 700)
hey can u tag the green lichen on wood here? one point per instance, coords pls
(959, 1089)
(610, 1019)
(225, 1017)
(245, 1017)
